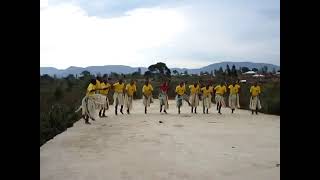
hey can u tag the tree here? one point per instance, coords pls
(255, 69)
(135, 74)
(105, 76)
(234, 71)
(228, 71)
(58, 93)
(160, 68)
(220, 71)
(211, 73)
(264, 69)
(175, 72)
(139, 71)
(114, 74)
(70, 77)
(245, 69)
(46, 77)
(148, 74)
(274, 71)
(186, 72)
(85, 73)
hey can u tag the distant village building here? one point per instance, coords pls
(258, 75)
(249, 73)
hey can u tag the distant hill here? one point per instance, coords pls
(127, 69)
(216, 66)
(92, 69)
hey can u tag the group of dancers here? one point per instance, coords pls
(123, 96)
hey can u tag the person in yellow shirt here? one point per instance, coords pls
(118, 96)
(88, 106)
(130, 90)
(220, 90)
(233, 96)
(98, 84)
(91, 89)
(180, 90)
(105, 87)
(147, 94)
(255, 104)
(206, 98)
(194, 96)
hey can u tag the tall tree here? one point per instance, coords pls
(220, 71)
(245, 69)
(175, 72)
(228, 71)
(234, 71)
(148, 74)
(160, 68)
(85, 73)
(185, 72)
(114, 74)
(255, 69)
(139, 71)
(264, 69)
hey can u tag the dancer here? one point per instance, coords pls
(147, 94)
(233, 96)
(255, 91)
(118, 98)
(220, 90)
(105, 87)
(88, 106)
(180, 90)
(163, 97)
(194, 96)
(206, 98)
(130, 90)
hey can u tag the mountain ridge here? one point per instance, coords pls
(107, 69)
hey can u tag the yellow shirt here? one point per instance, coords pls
(131, 89)
(220, 89)
(255, 91)
(98, 86)
(91, 87)
(234, 89)
(103, 85)
(180, 90)
(194, 90)
(147, 90)
(206, 92)
(118, 87)
(211, 89)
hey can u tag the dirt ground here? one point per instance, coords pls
(237, 146)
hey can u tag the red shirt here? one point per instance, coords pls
(164, 88)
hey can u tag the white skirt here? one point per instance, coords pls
(118, 99)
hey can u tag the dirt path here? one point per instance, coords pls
(236, 146)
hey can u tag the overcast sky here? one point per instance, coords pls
(181, 33)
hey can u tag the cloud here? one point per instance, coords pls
(180, 34)
(68, 36)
